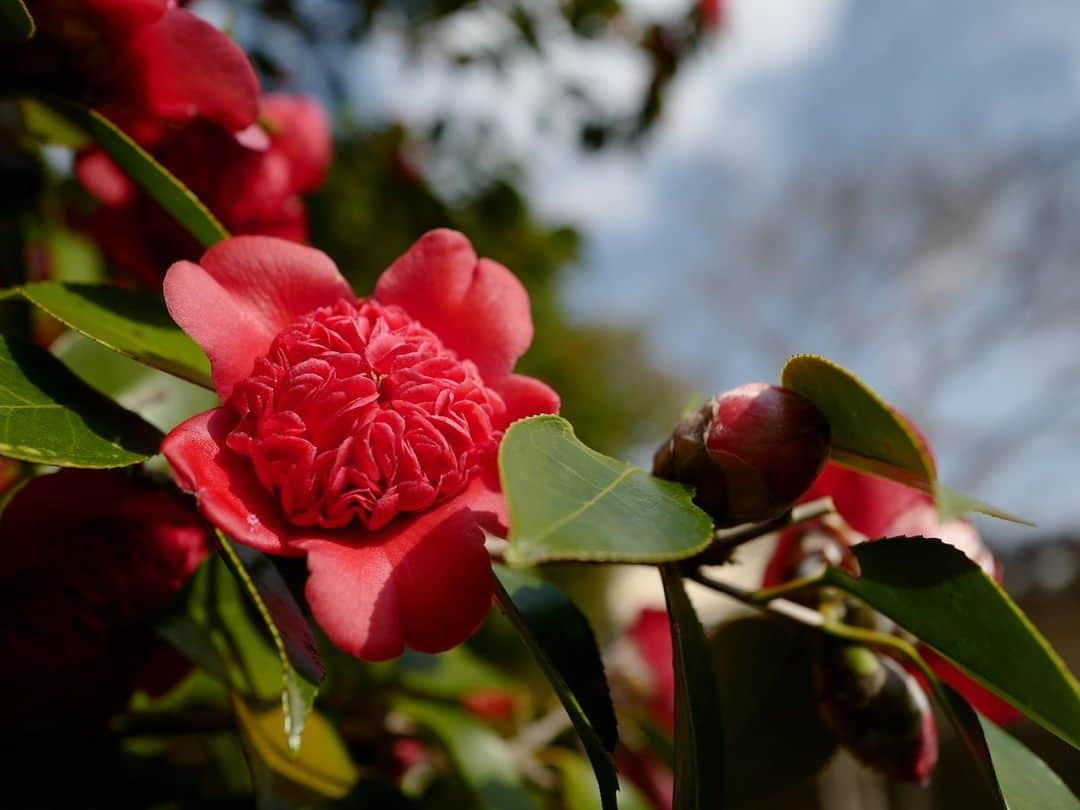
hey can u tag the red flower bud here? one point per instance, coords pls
(878, 711)
(750, 452)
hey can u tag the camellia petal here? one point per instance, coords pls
(190, 68)
(228, 492)
(477, 307)
(301, 129)
(868, 504)
(425, 584)
(243, 294)
(527, 396)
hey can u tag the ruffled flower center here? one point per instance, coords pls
(358, 412)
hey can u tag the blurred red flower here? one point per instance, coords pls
(88, 556)
(361, 433)
(252, 187)
(877, 508)
(145, 64)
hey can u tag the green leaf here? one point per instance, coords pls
(155, 179)
(301, 666)
(321, 770)
(484, 760)
(699, 729)
(1026, 781)
(937, 594)
(579, 790)
(568, 502)
(16, 24)
(47, 416)
(48, 127)
(870, 436)
(161, 399)
(773, 735)
(133, 323)
(561, 640)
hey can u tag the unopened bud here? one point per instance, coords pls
(877, 710)
(749, 453)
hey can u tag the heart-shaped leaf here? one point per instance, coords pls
(774, 738)
(132, 323)
(155, 179)
(870, 436)
(561, 640)
(48, 416)
(568, 502)
(937, 594)
(699, 728)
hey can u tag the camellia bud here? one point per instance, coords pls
(877, 710)
(749, 453)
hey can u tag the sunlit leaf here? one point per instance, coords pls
(561, 640)
(568, 502)
(937, 594)
(161, 399)
(47, 416)
(321, 770)
(774, 738)
(870, 436)
(483, 759)
(133, 323)
(155, 179)
(699, 728)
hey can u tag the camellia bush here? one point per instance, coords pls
(266, 536)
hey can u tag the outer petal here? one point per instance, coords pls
(868, 504)
(977, 695)
(103, 178)
(229, 494)
(478, 307)
(425, 583)
(527, 396)
(246, 291)
(190, 68)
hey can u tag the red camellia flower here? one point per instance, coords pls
(88, 556)
(361, 433)
(252, 187)
(876, 508)
(144, 63)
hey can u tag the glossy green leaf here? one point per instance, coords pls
(155, 179)
(161, 399)
(562, 641)
(16, 24)
(133, 323)
(298, 652)
(870, 436)
(774, 738)
(699, 728)
(1026, 781)
(48, 416)
(936, 593)
(578, 787)
(568, 502)
(321, 770)
(484, 760)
